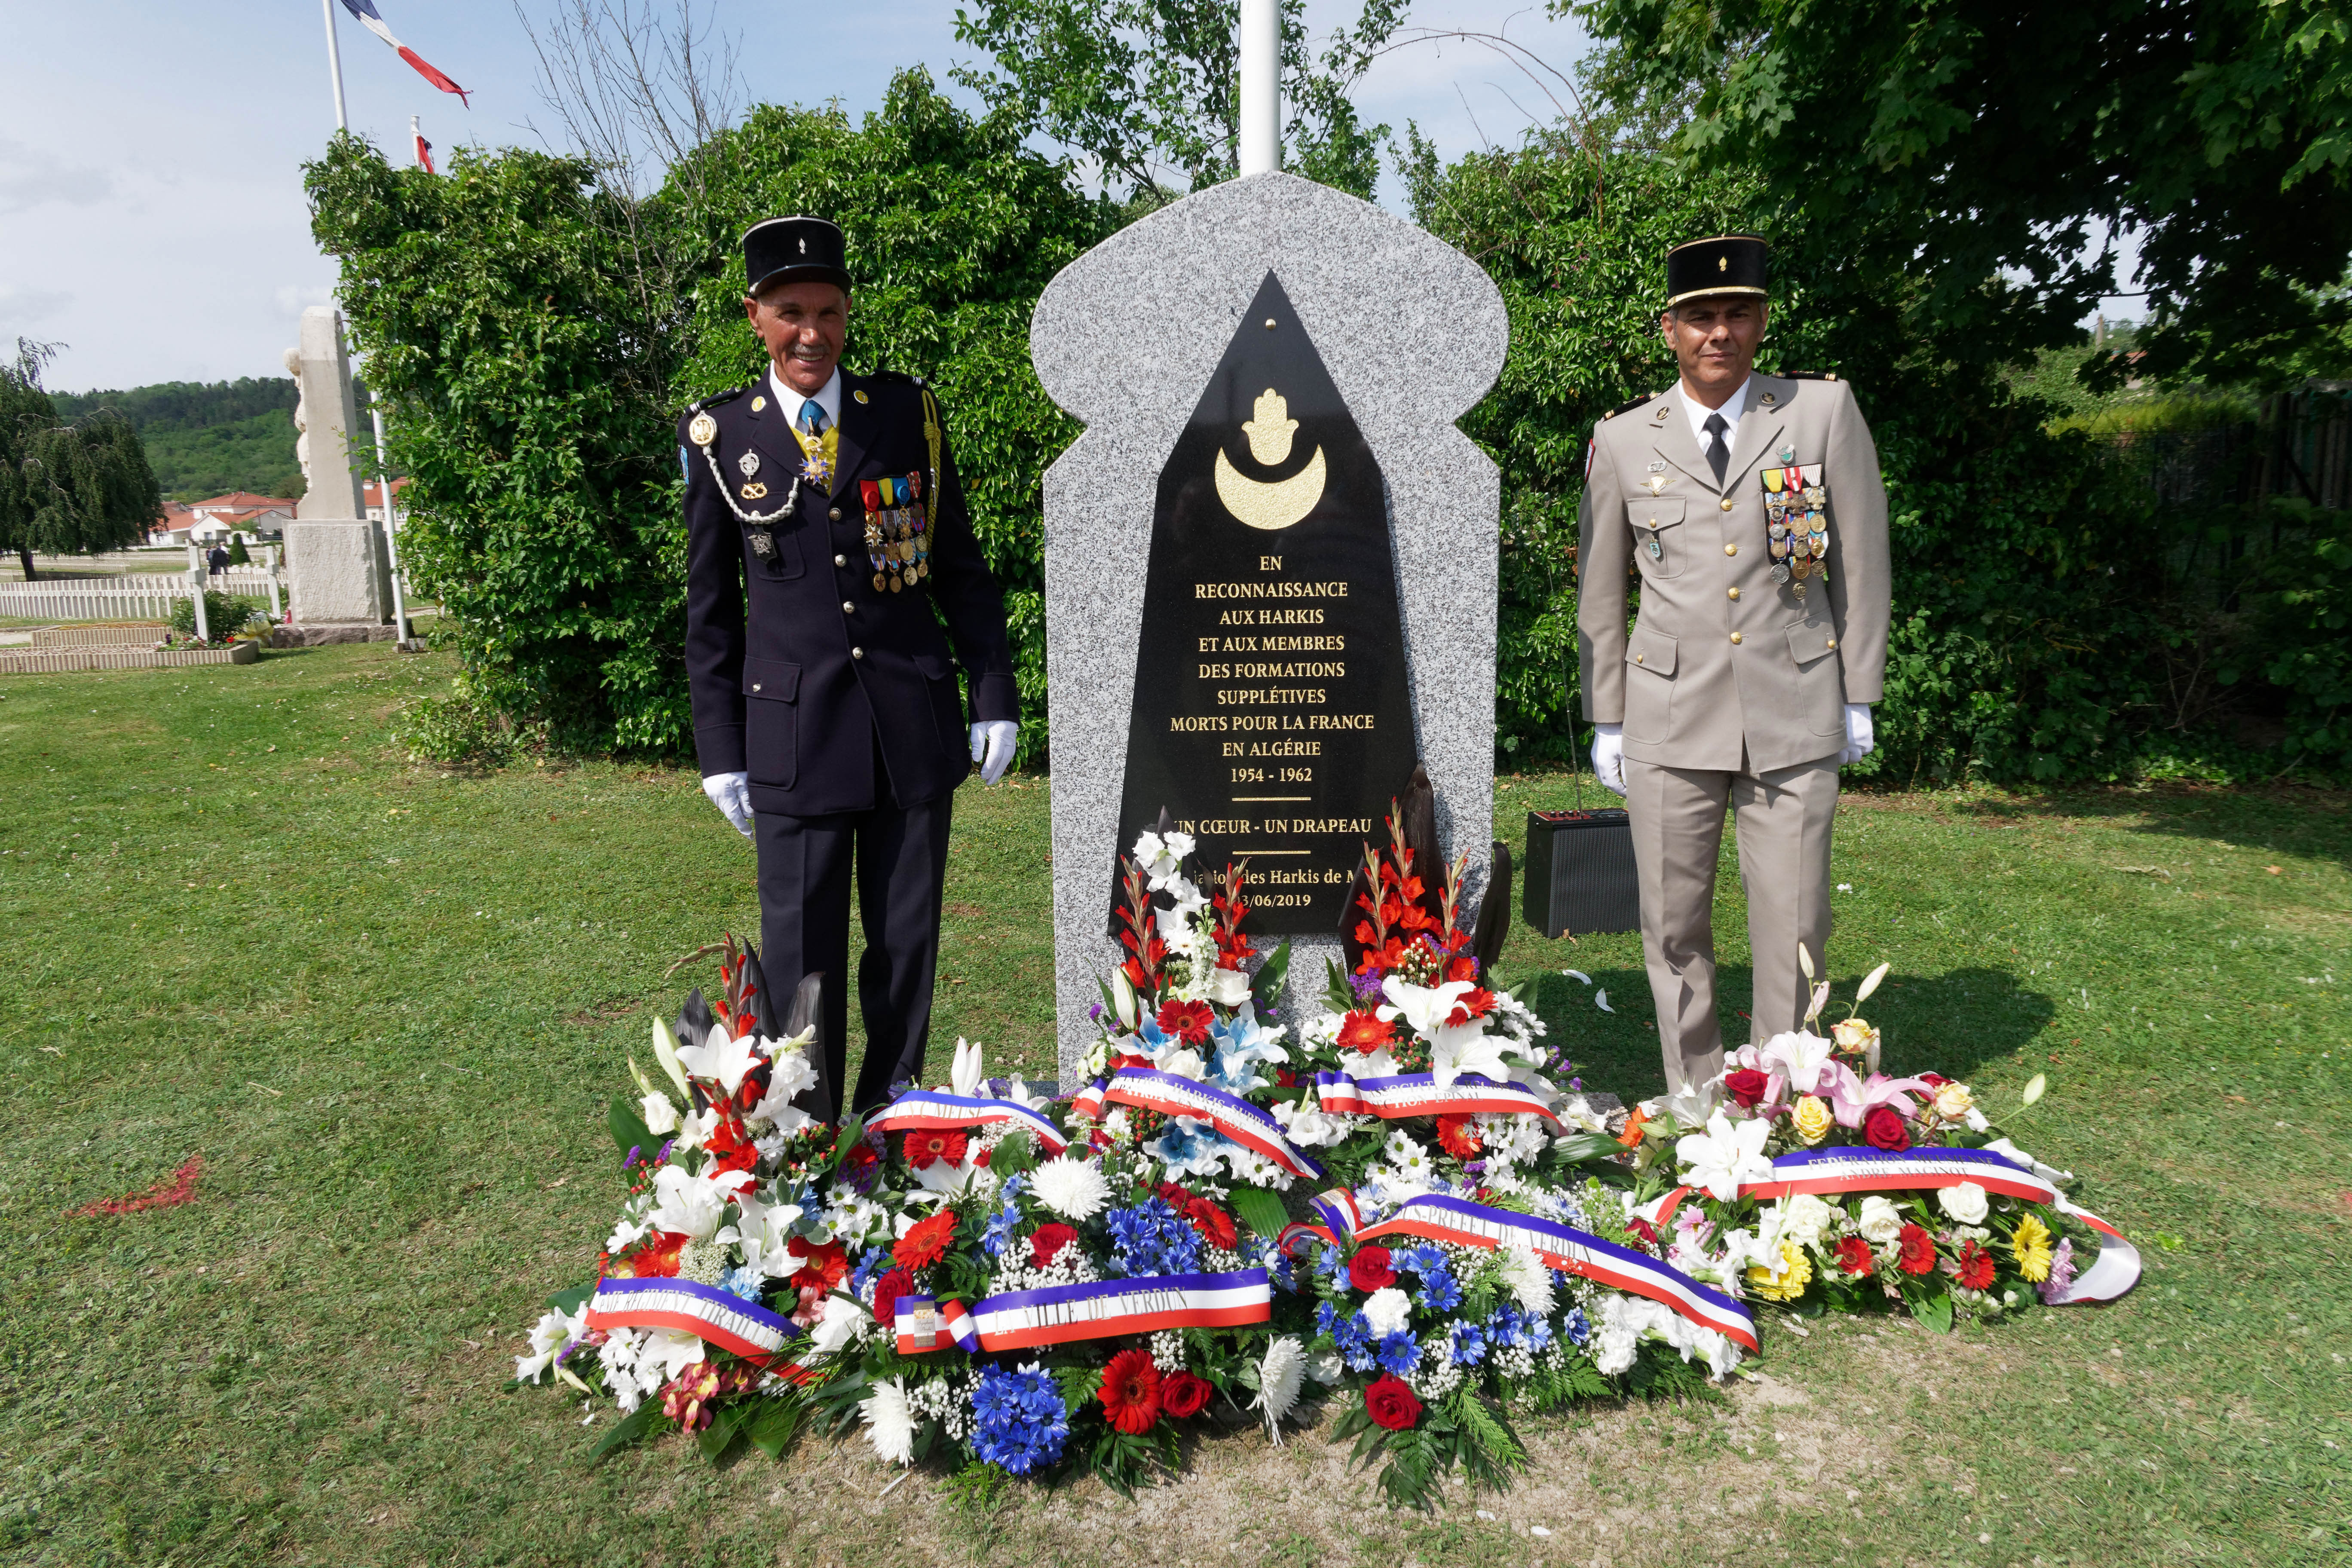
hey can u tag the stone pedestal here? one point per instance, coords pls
(1131, 339)
(336, 559)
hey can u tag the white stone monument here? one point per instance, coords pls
(336, 559)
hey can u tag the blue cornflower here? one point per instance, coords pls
(1281, 1271)
(1152, 1239)
(1352, 1337)
(1439, 1291)
(1539, 1334)
(1508, 1328)
(877, 1260)
(1469, 1346)
(1419, 1259)
(1577, 1326)
(747, 1282)
(1326, 1317)
(1005, 1222)
(1330, 1265)
(1400, 1352)
(1019, 1423)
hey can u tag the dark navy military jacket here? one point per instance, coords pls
(796, 663)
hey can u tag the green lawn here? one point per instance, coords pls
(386, 1005)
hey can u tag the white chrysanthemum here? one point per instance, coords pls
(1074, 1189)
(1527, 1279)
(1279, 1377)
(1388, 1310)
(889, 1422)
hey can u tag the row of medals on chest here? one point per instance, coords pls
(1796, 520)
(895, 546)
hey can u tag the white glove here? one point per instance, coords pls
(731, 793)
(1608, 756)
(993, 741)
(1859, 740)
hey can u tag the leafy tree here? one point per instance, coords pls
(208, 438)
(536, 331)
(1979, 158)
(1146, 90)
(66, 487)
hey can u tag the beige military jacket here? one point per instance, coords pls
(1724, 660)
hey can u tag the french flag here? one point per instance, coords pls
(424, 148)
(365, 13)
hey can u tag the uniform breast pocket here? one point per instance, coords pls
(772, 691)
(1821, 677)
(1658, 534)
(783, 558)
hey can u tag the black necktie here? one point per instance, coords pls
(1718, 456)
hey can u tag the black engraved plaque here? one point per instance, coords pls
(1270, 714)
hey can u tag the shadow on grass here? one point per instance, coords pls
(1951, 1023)
(2300, 819)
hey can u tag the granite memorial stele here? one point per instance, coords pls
(1270, 558)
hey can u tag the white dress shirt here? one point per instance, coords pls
(828, 397)
(1699, 413)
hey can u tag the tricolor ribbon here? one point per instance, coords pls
(715, 1316)
(920, 1322)
(1856, 1169)
(1148, 1088)
(1058, 1314)
(1338, 1216)
(1420, 1094)
(1571, 1251)
(931, 1110)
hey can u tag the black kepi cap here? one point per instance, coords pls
(1726, 264)
(794, 250)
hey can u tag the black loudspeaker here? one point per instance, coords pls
(1581, 876)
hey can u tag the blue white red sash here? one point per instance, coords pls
(727, 1321)
(931, 1110)
(1058, 1314)
(1848, 1169)
(1420, 1094)
(1148, 1088)
(1338, 1216)
(922, 1325)
(1571, 1251)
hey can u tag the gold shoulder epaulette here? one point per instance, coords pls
(1628, 406)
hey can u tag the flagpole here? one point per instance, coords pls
(335, 65)
(391, 544)
(1260, 138)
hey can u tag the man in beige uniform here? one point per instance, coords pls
(1753, 509)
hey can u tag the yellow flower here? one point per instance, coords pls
(2030, 1243)
(1813, 1118)
(1853, 1035)
(1952, 1102)
(1796, 1272)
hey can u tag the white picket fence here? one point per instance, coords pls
(131, 596)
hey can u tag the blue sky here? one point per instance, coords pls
(151, 206)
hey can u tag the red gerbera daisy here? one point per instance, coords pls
(1187, 1021)
(822, 1267)
(1457, 1137)
(1918, 1251)
(1216, 1225)
(926, 1243)
(1976, 1267)
(1130, 1390)
(1365, 1032)
(1854, 1256)
(927, 1147)
(658, 1259)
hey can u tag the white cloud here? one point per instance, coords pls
(30, 177)
(21, 306)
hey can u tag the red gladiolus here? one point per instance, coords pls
(1130, 1390)
(1365, 1032)
(1389, 1402)
(1369, 1271)
(1918, 1251)
(1976, 1267)
(1187, 1021)
(1463, 966)
(926, 1243)
(1183, 1394)
(1468, 1005)
(928, 1147)
(1047, 1243)
(886, 1291)
(1854, 1256)
(1457, 1137)
(730, 1148)
(1885, 1130)
(1746, 1087)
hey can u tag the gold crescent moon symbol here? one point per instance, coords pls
(1270, 504)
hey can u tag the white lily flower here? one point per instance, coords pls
(1725, 1155)
(965, 1077)
(672, 1350)
(694, 1204)
(841, 1322)
(1424, 1008)
(1805, 1058)
(549, 1339)
(721, 1057)
(1467, 1048)
(764, 1231)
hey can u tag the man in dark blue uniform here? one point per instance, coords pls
(830, 563)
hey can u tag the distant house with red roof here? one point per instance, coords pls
(372, 497)
(212, 522)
